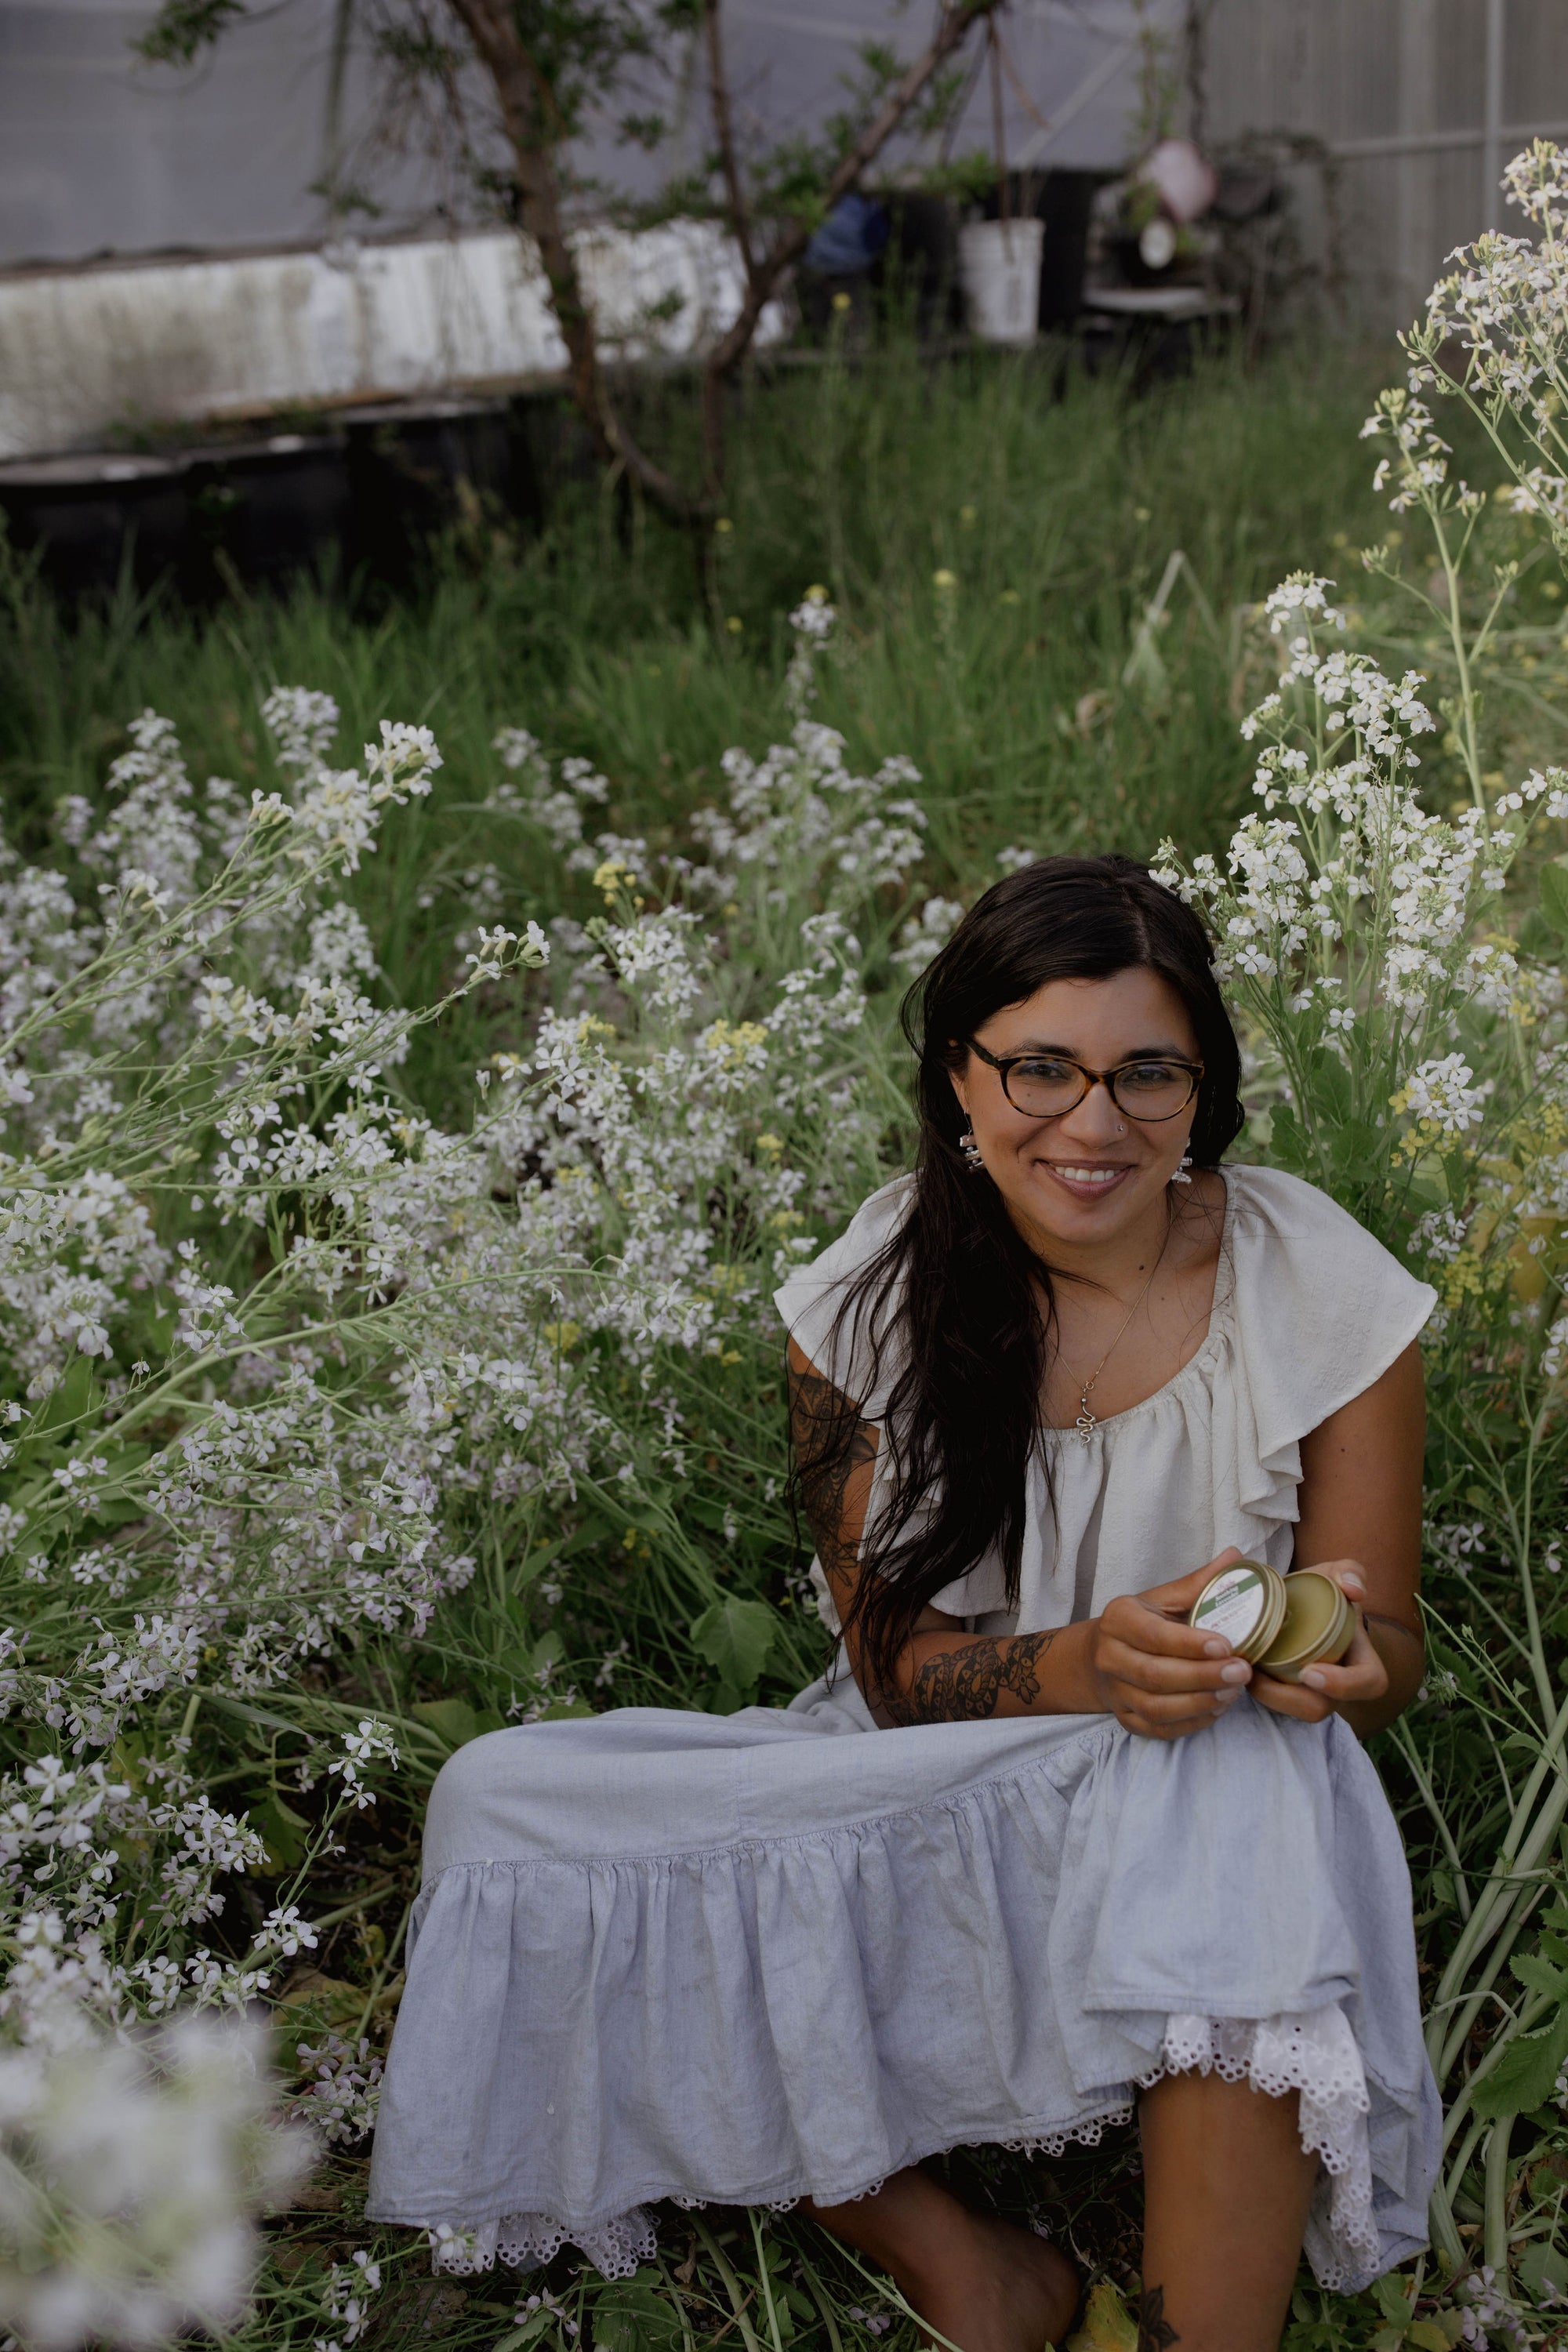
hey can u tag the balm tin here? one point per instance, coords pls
(1281, 1625)
(1319, 1626)
(1246, 1604)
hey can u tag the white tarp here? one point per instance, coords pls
(83, 351)
(100, 155)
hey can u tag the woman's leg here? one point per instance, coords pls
(1227, 2187)
(988, 2286)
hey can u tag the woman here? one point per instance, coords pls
(1090, 1858)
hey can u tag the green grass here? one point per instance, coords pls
(1056, 516)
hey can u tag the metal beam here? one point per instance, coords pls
(1491, 141)
(1429, 142)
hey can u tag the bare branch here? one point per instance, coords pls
(531, 120)
(724, 130)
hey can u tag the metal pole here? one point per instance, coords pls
(1491, 133)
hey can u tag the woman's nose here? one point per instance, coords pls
(1095, 1120)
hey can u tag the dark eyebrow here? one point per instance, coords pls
(1067, 1053)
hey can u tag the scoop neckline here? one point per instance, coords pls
(1203, 1357)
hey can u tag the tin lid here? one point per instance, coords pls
(1317, 1623)
(1245, 1604)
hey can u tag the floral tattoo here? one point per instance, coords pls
(1154, 2330)
(962, 1684)
(829, 1456)
(965, 1684)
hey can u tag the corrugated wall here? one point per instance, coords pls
(1415, 105)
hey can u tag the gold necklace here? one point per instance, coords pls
(1087, 1419)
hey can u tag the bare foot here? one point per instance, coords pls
(1004, 2291)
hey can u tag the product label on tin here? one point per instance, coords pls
(1232, 1605)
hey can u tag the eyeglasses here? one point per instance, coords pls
(1043, 1086)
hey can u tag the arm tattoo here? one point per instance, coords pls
(819, 1413)
(965, 1685)
(1154, 2330)
(958, 1685)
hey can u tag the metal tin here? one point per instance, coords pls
(1318, 1625)
(1245, 1604)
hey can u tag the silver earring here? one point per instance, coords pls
(1181, 1176)
(971, 1152)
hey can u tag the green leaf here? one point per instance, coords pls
(1428, 2337)
(1540, 1975)
(1329, 1086)
(735, 1636)
(1526, 2075)
(1536, 936)
(284, 1830)
(536, 1563)
(453, 1720)
(530, 2332)
(1543, 2268)
(635, 2318)
(1554, 895)
(1356, 1150)
(1393, 2299)
(1286, 1142)
(1108, 2325)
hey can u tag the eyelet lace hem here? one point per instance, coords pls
(616, 2248)
(524, 2241)
(1312, 2052)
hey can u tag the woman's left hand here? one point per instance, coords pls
(1360, 1673)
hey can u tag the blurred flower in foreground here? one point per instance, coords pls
(130, 2175)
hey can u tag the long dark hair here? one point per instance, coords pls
(956, 1297)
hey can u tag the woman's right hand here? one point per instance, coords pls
(1161, 1677)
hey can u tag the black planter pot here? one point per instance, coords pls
(918, 265)
(263, 513)
(416, 468)
(93, 522)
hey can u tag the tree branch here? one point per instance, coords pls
(527, 105)
(762, 278)
(725, 131)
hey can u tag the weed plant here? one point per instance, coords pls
(399, 1158)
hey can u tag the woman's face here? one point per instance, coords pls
(1092, 1174)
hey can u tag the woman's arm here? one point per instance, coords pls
(944, 1674)
(1140, 1662)
(1361, 1522)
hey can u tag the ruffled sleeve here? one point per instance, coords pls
(814, 1302)
(1321, 1310)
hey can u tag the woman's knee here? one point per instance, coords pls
(475, 1776)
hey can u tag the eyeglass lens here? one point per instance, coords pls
(1043, 1090)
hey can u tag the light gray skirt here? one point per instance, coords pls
(747, 1958)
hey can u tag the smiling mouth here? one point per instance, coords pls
(1082, 1178)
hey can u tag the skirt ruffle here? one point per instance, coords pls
(743, 1961)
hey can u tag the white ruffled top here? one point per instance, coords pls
(1308, 1310)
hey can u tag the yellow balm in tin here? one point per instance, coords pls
(1319, 1627)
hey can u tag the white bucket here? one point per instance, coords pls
(999, 264)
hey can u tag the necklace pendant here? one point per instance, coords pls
(1087, 1419)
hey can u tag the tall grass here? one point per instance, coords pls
(1054, 509)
